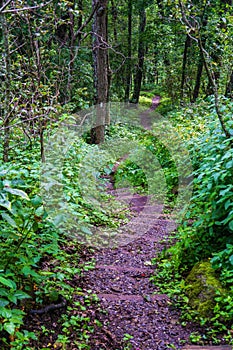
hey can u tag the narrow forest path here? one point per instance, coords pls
(131, 312)
(121, 279)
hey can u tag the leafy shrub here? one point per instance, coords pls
(150, 166)
(206, 231)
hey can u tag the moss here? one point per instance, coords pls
(201, 287)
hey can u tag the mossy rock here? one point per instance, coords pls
(201, 287)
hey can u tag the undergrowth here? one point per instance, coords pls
(205, 233)
(35, 266)
(31, 238)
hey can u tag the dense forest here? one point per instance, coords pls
(79, 82)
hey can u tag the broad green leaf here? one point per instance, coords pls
(4, 292)
(9, 219)
(228, 204)
(26, 270)
(36, 201)
(19, 294)
(9, 327)
(231, 259)
(40, 211)
(5, 313)
(16, 192)
(231, 225)
(3, 302)
(229, 164)
(12, 298)
(86, 230)
(47, 273)
(7, 282)
(4, 202)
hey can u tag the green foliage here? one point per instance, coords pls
(126, 339)
(206, 231)
(223, 261)
(75, 324)
(28, 238)
(83, 190)
(165, 105)
(22, 339)
(211, 203)
(24, 238)
(142, 168)
(131, 173)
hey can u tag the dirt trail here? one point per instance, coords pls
(121, 279)
(146, 120)
(134, 305)
(129, 303)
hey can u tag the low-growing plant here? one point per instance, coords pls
(206, 231)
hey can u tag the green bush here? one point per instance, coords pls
(207, 229)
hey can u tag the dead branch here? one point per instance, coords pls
(209, 72)
(16, 10)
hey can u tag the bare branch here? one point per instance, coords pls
(5, 5)
(79, 31)
(206, 57)
(184, 18)
(16, 10)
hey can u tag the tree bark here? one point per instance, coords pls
(80, 19)
(141, 54)
(129, 63)
(185, 56)
(214, 87)
(6, 113)
(198, 79)
(101, 70)
(201, 61)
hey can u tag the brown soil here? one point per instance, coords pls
(134, 305)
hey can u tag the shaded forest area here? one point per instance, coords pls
(63, 57)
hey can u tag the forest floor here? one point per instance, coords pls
(131, 312)
(133, 304)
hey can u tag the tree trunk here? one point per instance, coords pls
(198, 79)
(201, 60)
(6, 109)
(101, 70)
(80, 19)
(141, 54)
(210, 75)
(185, 55)
(129, 63)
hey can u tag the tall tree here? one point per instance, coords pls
(209, 70)
(6, 109)
(185, 55)
(129, 53)
(200, 65)
(141, 54)
(101, 69)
